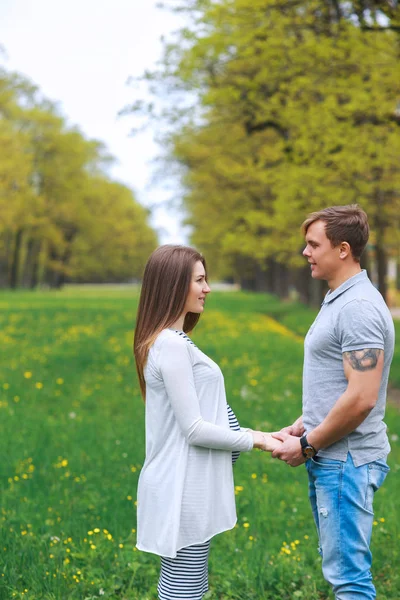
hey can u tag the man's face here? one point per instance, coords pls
(324, 259)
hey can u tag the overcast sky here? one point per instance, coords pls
(81, 53)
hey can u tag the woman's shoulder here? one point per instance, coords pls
(169, 339)
(171, 343)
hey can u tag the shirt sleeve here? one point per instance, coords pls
(177, 372)
(360, 326)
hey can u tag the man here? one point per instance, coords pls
(341, 434)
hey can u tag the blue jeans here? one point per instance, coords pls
(341, 497)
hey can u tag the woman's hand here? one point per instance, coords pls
(265, 441)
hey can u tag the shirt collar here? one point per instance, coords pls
(330, 296)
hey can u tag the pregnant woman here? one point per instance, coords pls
(186, 489)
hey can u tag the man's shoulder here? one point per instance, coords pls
(364, 295)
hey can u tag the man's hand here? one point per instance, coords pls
(296, 429)
(290, 449)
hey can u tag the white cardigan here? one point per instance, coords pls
(186, 489)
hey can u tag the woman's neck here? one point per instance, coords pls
(179, 323)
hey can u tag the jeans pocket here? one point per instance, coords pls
(326, 463)
(377, 472)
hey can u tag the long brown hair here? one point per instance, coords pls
(166, 282)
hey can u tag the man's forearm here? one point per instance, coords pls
(348, 413)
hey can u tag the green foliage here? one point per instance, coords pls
(296, 108)
(72, 444)
(62, 217)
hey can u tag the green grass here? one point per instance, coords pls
(72, 443)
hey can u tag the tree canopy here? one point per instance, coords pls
(295, 106)
(63, 218)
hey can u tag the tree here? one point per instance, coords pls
(295, 109)
(56, 199)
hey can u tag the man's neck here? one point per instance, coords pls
(344, 275)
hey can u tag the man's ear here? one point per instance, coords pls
(344, 250)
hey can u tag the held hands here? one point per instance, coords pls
(290, 449)
(264, 441)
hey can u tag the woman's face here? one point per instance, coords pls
(198, 290)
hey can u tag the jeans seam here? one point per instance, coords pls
(340, 521)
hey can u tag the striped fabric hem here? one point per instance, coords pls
(185, 577)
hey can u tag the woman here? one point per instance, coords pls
(186, 489)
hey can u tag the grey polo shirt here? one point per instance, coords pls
(352, 317)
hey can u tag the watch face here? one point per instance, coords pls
(309, 452)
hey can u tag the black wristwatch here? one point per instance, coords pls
(307, 450)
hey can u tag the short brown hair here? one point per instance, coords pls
(165, 286)
(343, 224)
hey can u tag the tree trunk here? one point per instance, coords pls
(51, 272)
(15, 260)
(365, 261)
(380, 252)
(280, 280)
(381, 264)
(30, 274)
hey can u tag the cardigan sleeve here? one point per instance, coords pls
(176, 369)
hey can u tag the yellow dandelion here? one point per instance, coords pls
(246, 525)
(254, 475)
(120, 545)
(39, 385)
(129, 497)
(93, 547)
(96, 530)
(382, 520)
(27, 374)
(60, 380)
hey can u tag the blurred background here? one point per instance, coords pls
(217, 123)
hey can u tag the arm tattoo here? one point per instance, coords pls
(363, 360)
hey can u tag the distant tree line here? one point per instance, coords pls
(276, 108)
(62, 217)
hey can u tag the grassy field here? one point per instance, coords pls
(72, 444)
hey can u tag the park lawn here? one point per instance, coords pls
(72, 444)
